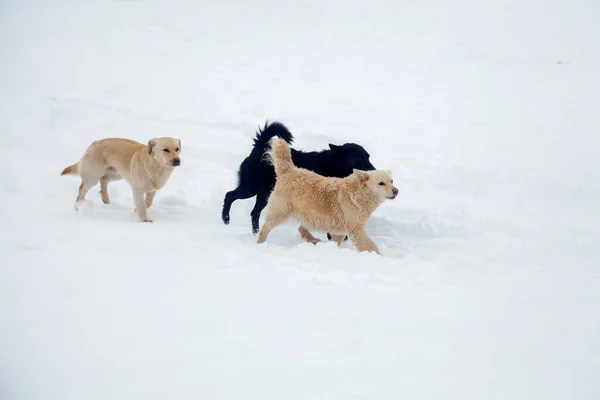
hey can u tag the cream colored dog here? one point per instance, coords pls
(145, 168)
(341, 206)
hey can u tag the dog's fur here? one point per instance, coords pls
(256, 177)
(145, 167)
(338, 205)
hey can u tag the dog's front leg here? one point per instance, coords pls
(150, 198)
(140, 205)
(363, 242)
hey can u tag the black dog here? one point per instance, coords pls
(256, 177)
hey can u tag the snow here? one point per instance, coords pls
(485, 111)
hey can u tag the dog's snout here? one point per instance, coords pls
(176, 161)
(395, 192)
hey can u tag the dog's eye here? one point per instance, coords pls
(381, 183)
(392, 181)
(166, 150)
(177, 149)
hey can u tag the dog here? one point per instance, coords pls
(341, 206)
(256, 177)
(145, 167)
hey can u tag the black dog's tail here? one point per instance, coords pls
(264, 135)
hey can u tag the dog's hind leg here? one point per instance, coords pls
(110, 176)
(89, 178)
(104, 190)
(238, 193)
(306, 235)
(276, 214)
(262, 199)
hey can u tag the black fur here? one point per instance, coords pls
(256, 177)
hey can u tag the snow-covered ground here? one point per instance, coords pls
(486, 111)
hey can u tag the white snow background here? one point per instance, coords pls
(486, 111)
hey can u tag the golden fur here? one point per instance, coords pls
(145, 167)
(341, 206)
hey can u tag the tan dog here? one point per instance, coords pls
(145, 168)
(337, 205)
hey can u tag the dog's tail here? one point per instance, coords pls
(264, 135)
(70, 170)
(281, 156)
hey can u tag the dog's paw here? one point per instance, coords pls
(147, 220)
(225, 219)
(329, 237)
(83, 206)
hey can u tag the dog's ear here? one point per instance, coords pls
(334, 147)
(151, 144)
(362, 175)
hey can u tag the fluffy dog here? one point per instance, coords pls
(256, 177)
(337, 205)
(145, 167)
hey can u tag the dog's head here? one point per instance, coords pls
(379, 182)
(165, 150)
(350, 156)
